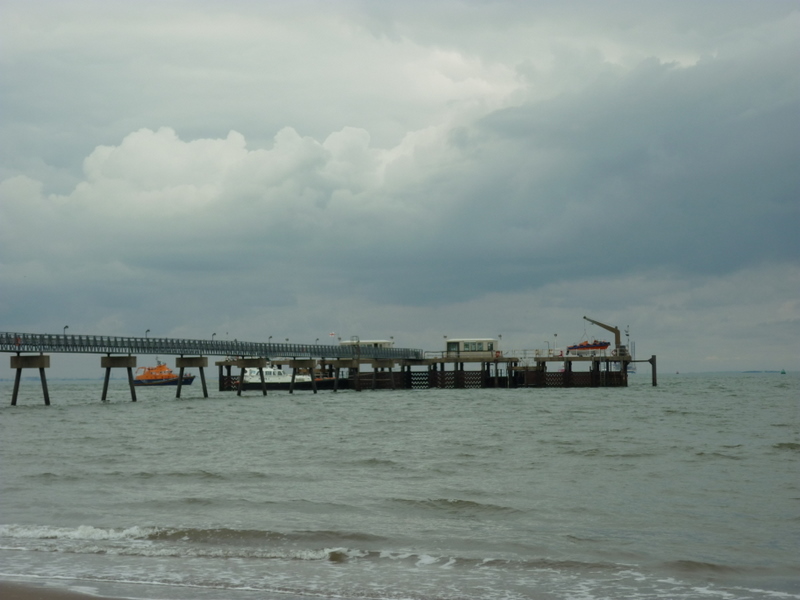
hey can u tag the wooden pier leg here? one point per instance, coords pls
(105, 384)
(17, 379)
(185, 362)
(374, 377)
(336, 380)
(118, 362)
(44, 386)
(652, 362)
(180, 383)
(39, 361)
(542, 368)
(313, 379)
(130, 383)
(203, 381)
(263, 382)
(242, 363)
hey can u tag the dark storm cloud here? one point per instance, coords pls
(407, 168)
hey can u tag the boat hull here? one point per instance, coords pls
(588, 348)
(159, 382)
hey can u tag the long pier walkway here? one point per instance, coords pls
(100, 344)
(417, 369)
(120, 351)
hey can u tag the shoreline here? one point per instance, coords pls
(12, 590)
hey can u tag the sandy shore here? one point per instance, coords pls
(28, 591)
(18, 591)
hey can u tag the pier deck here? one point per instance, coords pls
(343, 366)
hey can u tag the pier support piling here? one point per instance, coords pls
(118, 362)
(383, 366)
(251, 363)
(337, 364)
(308, 364)
(652, 362)
(19, 362)
(198, 362)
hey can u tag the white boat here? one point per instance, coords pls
(273, 374)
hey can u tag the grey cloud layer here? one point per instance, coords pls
(262, 160)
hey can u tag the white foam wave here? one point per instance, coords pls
(82, 532)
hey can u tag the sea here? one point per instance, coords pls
(687, 490)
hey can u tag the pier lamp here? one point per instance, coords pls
(145, 333)
(65, 329)
(316, 341)
(269, 340)
(212, 336)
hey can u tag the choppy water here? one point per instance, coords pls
(687, 490)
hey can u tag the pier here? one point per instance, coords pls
(354, 365)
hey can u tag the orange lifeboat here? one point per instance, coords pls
(588, 348)
(161, 374)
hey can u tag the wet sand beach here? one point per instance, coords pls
(19, 591)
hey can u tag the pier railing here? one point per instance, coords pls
(104, 344)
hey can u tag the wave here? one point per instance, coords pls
(454, 507)
(344, 564)
(787, 446)
(716, 455)
(250, 536)
(691, 566)
(319, 545)
(82, 532)
(607, 453)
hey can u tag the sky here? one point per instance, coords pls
(407, 170)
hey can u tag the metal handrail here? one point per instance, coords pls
(103, 344)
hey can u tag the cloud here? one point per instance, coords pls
(429, 166)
